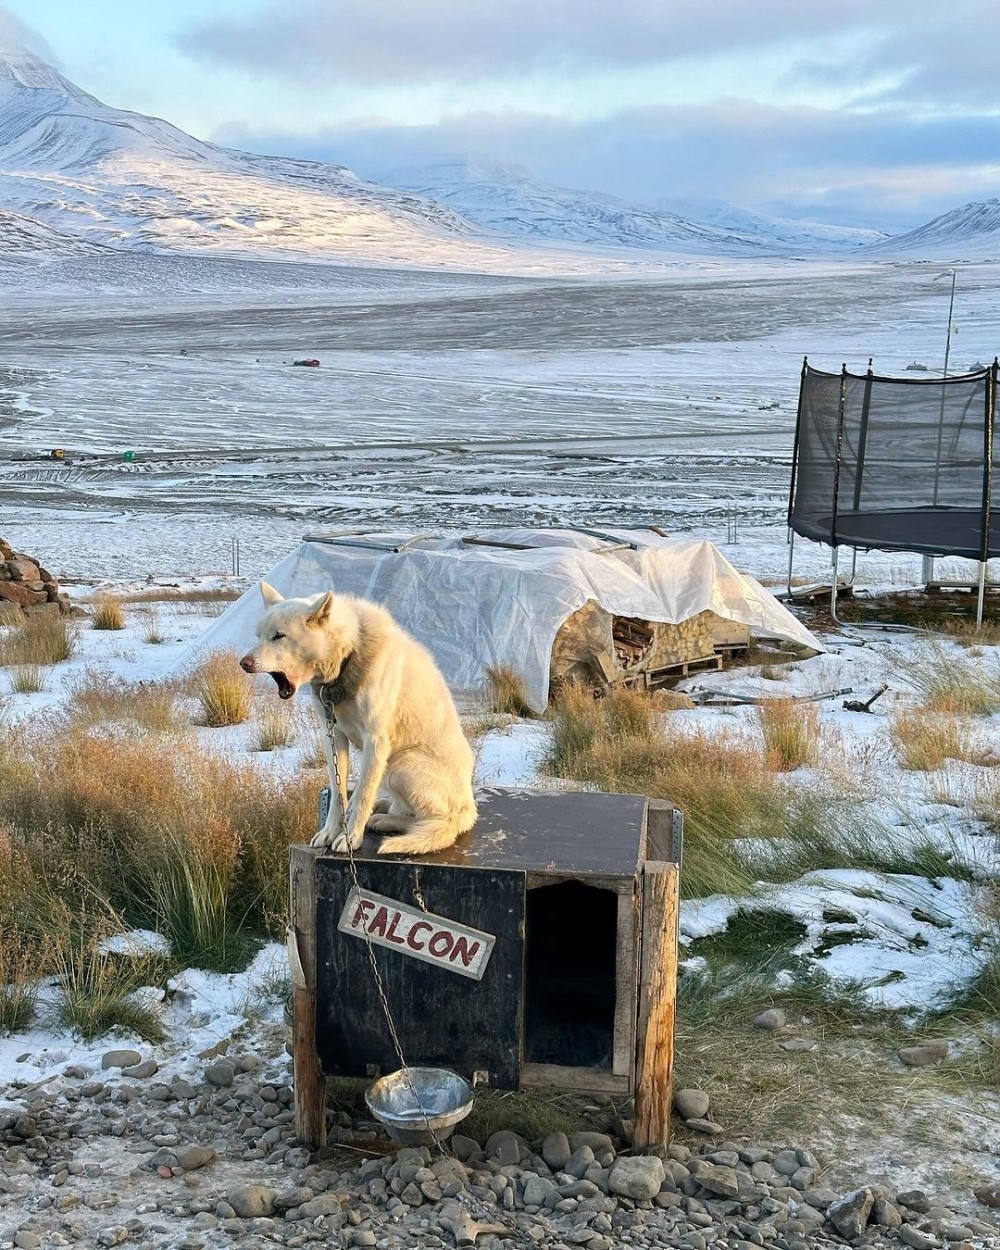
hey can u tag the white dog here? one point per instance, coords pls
(390, 703)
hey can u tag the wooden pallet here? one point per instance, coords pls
(671, 672)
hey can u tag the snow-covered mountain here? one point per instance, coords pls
(122, 179)
(971, 232)
(20, 235)
(509, 200)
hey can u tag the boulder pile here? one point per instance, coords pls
(26, 584)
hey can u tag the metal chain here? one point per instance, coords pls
(468, 1200)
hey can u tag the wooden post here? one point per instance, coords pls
(654, 1067)
(308, 1080)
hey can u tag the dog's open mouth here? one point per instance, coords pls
(285, 687)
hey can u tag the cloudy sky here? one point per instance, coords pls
(879, 112)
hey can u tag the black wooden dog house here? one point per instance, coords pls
(540, 950)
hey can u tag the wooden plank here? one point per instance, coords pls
(587, 1080)
(308, 1080)
(657, 1004)
(626, 977)
(660, 832)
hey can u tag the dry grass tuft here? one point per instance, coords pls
(174, 594)
(108, 613)
(924, 740)
(223, 690)
(27, 679)
(954, 682)
(505, 692)
(10, 614)
(273, 728)
(152, 631)
(791, 733)
(109, 700)
(38, 640)
(19, 982)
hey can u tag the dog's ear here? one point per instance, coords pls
(321, 612)
(270, 595)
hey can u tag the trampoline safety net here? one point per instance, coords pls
(897, 464)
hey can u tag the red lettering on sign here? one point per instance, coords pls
(421, 924)
(441, 943)
(464, 951)
(391, 934)
(363, 905)
(379, 921)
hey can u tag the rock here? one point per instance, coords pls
(771, 1020)
(798, 1043)
(192, 1157)
(916, 1200)
(884, 1214)
(699, 1125)
(539, 1192)
(27, 1240)
(719, 1179)
(636, 1176)
(925, 1054)
(849, 1215)
(25, 1127)
(556, 1151)
(313, 1208)
(17, 592)
(120, 1059)
(579, 1161)
(691, 1104)
(819, 1198)
(786, 1162)
(911, 1236)
(989, 1195)
(250, 1202)
(141, 1071)
(221, 1073)
(505, 1148)
(596, 1141)
(464, 1148)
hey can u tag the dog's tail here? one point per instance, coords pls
(429, 833)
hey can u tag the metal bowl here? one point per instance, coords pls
(420, 1105)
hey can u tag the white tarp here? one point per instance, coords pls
(474, 605)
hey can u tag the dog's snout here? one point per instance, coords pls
(247, 663)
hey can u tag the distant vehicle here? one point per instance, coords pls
(311, 363)
(916, 367)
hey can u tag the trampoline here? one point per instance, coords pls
(897, 464)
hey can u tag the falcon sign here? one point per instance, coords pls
(417, 933)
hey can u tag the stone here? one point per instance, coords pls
(556, 1151)
(596, 1141)
(313, 1208)
(120, 1059)
(699, 1125)
(924, 1055)
(464, 1148)
(719, 1179)
(141, 1071)
(849, 1215)
(819, 1198)
(989, 1195)
(505, 1148)
(636, 1176)
(27, 1240)
(250, 1202)
(540, 1192)
(691, 1104)
(192, 1157)
(579, 1161)
(771, 1020)
(798, 1043)
(221, 1073)
(911, 1236)
(916, 1200)
(292, 1198)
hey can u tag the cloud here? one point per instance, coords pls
(17, 35)
(465, 40)
(889, 169)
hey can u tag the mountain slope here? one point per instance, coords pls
(123, 179)
(970, 232)
(20, 236)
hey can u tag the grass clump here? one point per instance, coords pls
(27, 679)
(10, 614)
(925, 740)
(41, 640)
(272, 729)
(19, 982)
(149, 705)
(223, 690)
(152, 631)
(99, 994)
(108, 614)
(954, 682)
(791, 733)
(505, 692)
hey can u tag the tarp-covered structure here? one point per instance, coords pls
(500, 597)
(898, 464)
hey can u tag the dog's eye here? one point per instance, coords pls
(277, 637)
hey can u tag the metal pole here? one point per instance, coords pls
(833, 587)
(798, 433)
(991, 394)
(791, 558)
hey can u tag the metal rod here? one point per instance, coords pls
(841, 410)
(991, 393)
(944, 382)
(833, 587)
(982, 594)
(866, 404)
(791, 557)
(795, 445)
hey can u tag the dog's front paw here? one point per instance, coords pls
(322, 839)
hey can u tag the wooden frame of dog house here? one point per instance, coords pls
(578, 894)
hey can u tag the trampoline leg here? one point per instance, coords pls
(982, 594)
(791, 557)
(927, 570)
(833, 586)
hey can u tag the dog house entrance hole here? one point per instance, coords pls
(569, 977)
